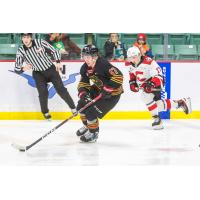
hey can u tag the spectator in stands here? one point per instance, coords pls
(141, 43)
(114, 49)
(68, 49)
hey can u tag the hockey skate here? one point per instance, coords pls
(157, 124)
(47, 116)
(185, 104)
(81, 131)
(89, 137)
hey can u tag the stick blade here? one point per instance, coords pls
(19, 147)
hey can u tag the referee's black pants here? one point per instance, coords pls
(50, 75)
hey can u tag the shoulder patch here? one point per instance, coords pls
(147, 60)
(113, 71)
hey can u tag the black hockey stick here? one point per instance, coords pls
(154, 89)
(25, 148)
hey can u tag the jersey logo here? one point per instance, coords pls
(139, 76)
(96, 81)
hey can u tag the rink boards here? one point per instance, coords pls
(19, 97)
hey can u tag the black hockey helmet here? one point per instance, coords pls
(27, 34)
(90, 50)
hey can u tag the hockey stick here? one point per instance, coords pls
(154, 89)
(25, 148)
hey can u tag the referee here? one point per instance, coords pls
(34, 54)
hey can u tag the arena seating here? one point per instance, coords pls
(181, 46)
(159, 51)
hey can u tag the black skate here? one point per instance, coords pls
(157, 124)
(47, 116)
(185, 104)
(81, 131)
(89, 137)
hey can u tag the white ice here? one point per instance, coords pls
(120, 143)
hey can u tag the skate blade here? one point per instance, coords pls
(188, 102)
(159, 127)
(93, 141)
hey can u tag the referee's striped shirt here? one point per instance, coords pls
(36, 55)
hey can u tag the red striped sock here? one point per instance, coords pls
(168, 102)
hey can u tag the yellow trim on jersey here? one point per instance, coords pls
(117, 79)
(84, 85)
(117, 115)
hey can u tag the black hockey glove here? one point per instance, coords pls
(149, 87)
(85, 96)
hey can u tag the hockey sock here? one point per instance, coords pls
(83, 118)
(153, 108)
(93, 125)
(166, 104)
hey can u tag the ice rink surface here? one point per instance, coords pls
(120, 143)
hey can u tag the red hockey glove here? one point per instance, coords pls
(133, 86)
(157, 81)
(154, 84)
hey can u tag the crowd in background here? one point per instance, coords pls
(111, 46)
(114, 49)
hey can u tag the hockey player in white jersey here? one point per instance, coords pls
(146, 77)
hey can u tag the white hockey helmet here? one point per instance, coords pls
(133, 51)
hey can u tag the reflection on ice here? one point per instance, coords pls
(119, 143)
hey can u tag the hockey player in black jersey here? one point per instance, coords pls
(98, 76)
